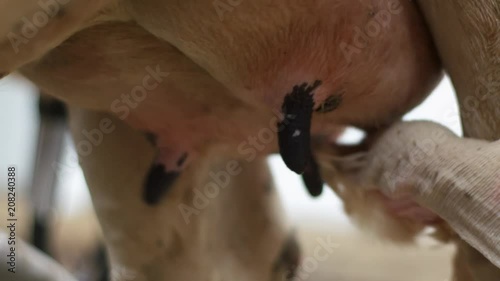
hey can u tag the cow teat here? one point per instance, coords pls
(295, 128)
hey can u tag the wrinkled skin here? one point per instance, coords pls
(455, 177)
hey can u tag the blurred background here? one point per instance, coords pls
(74, 231)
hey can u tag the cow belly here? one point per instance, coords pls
(161, 89)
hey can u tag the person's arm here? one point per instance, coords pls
(457, 178)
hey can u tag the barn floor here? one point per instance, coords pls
(360, 258)
(354, 257)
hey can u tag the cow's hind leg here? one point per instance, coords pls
(219, 221)
(467, 33)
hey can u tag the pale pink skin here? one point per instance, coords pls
(227, 79)
(406, 208)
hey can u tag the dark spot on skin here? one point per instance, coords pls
(61, 13)
(468, 195)
(331, 103)
(158, 183)
(294, 136)
(182, 160)
(289, 258)
(152, 138)
(312, 178)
